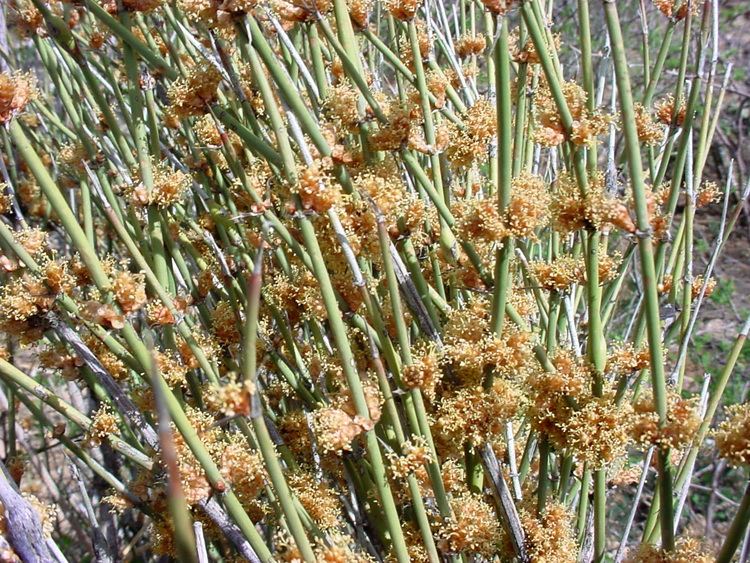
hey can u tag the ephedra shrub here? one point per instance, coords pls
(344, 280)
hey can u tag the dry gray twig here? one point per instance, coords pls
(23, 527)
(505, 502)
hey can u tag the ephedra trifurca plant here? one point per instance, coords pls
(351, 280)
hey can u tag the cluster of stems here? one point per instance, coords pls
(296, 202)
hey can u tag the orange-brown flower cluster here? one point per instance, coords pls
(625, 359)
(586, 125)
(208, 345)
(424, 372)
(415, 453)
(72, 156)
(733, 435)
(57, 276)
(169, 187)
(655, 200)
(507, 355)
(58, 358)
(555, 394)
(24, 18)
(242, 469)
(527, 52)
(30, 197)
(16, 91)
(141, 5)
(231, 399)
(319, 500)
(468, 45)
(550, 538)
(297, 294)
(571, 210)
(225, 323)
(599, 431)
(114, 365)
(471, 347)
(336, 429)
(424, 45)
(667, 7)
(498, 7)
(403, 10)
(103, 425)
(437, 85)
(23, 297)
(667, 110)
(687, 550)
(159, 314)
(296, 432)
(341, 105)
(528, 209)
(649, 132)
(216, 13)
(339, 548)
(104, 314)
(623, 475)
(317, 190)
(191, 95)
(609, 264)
(403, 212)
(130, 290)
(677, 431)
(707, 194)
(213, 140)
(5, 199)
(560, 274)
(478, 220)
(359, 11)
(337, 426)
(474, 528)
(471, 143)
(400, 129)
(293, 11)
(475, 415)
(695, 289)
(33, 240)
(171, 368)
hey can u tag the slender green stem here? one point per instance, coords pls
(645, 247)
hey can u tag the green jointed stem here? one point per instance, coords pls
(645, 247)
(737, 531)
(56, 199)
(19, 380)
(505, 171)
(267, 449)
